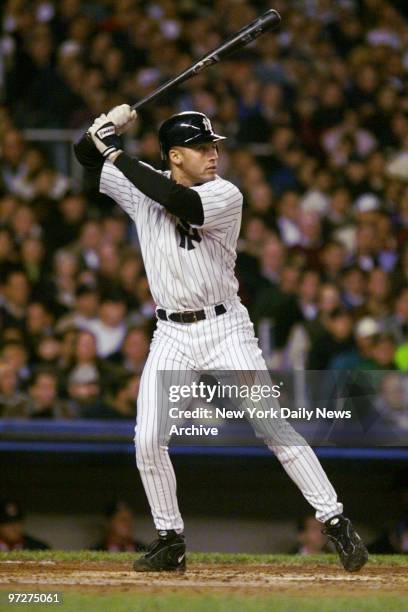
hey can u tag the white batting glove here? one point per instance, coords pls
(103, 134)
(122, 117)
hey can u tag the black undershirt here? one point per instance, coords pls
(179, 200)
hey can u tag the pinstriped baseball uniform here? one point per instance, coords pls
(192, 268)
(181, 276)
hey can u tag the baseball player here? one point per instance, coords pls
(188, 221)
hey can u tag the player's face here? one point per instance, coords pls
(196, 164)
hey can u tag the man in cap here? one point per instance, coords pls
(12, 535)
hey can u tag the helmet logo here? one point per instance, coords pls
(207, 124)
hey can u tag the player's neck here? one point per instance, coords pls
(182, 178)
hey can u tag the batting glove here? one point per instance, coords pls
(122, 117)
(103, 134)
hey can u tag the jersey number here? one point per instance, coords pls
(187, 235)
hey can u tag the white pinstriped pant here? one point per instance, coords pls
(226, 342)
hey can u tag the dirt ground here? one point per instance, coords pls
(107, 577)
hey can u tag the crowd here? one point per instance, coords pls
(118, 530)
(317, 122)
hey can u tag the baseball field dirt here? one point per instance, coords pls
(102, 581)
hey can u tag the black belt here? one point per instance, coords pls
(188, 316)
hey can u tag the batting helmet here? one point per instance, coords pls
(185, 130)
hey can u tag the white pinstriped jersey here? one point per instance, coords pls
(187, 267)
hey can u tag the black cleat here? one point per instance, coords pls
(350, 547)
(166, 554)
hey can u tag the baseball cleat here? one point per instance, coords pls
(350, 547)
(166, 554)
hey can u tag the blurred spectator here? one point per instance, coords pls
(271, 262)
(47, 351)
(392, 400)
(8, 255)
(85, 358)
(310, 539)
(378, 300)
(86, 247)
(62, 283)
(12, 401)
(85, 310)
(366, 334)
(308, 295)
(306, 252)
(254, 236)
(15, 353)
(338, 214)
(134, 350)
(394, 540)
(397, 323)
(288, 216)
(336, 339)
(63, 223)
(279, 306)
(43, 402)
(24, 224)
(130, 270)
(119, 530)
(354, 289)
(32, 255)
(332, 260)
(382, 354)
(39, 322)
(367, 247)
(108, 268)
(12, 533)
(109, 327)
(124, 396)
(85, 394)
(12, 163)
(67, 347)
(14, 296)
(147, 307)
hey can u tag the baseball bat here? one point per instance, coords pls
(268, 21)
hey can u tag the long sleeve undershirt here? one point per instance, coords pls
(179, 200)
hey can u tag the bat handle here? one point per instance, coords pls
(206, 61)
(158, 92)
(143, 101)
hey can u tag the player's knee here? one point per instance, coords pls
(147, 451)
(285, 454)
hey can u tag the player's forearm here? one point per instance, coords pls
(87, 154)
(92, 161)
(181, 201)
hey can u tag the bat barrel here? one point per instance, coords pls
(268, 21)
(271, 19)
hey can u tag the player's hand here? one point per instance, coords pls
(103, 134)
(122, 117)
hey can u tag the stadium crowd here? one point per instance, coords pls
(317, 122)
